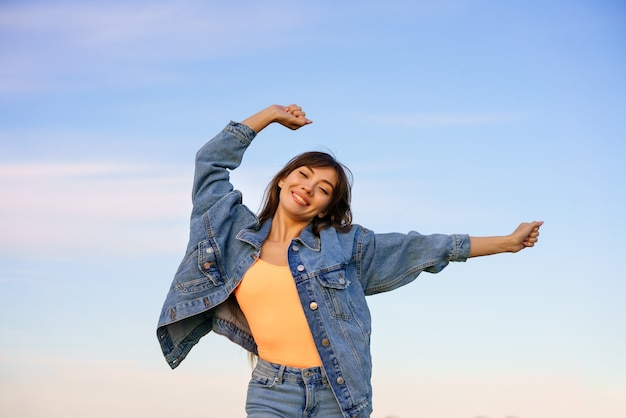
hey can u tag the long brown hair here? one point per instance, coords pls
(338, 215)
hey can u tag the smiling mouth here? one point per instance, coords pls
(299, 199)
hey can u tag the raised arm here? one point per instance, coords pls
(292, 117)
(225, 151)
(525, 235)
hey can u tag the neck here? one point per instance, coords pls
(284, 230)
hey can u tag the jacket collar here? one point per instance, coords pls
(308, 239)
(256, 237)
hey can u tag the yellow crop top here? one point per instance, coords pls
(268, 298)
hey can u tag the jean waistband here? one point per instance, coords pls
(279, 373)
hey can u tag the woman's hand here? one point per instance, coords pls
(525, 235)
(292, 117)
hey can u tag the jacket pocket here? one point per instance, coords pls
(208, 263)
(200, 271)
(335, 289)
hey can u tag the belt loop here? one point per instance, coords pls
(324, 376)
(279, 377)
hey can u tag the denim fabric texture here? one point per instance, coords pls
(279, 391)
(333, 274)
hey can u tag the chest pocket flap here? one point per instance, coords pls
(208, 262)
(336, 294)
(199, 271)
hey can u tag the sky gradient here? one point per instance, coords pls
(454, 116)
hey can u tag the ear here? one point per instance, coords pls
(280, 183)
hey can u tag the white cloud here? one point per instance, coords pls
(56, 45)
(120, 209)
(107, 27)
(428, 119)
(115, 208)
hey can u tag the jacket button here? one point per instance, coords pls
(207, 265)
(295, 248)
(300, 267)
(325, 342)
(313, 306)
(340, 380)
(209, 250)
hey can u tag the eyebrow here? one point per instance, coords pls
(323, 180)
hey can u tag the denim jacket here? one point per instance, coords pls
(333, 273)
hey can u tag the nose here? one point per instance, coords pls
(307, 188)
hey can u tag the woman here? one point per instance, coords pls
(289, 285)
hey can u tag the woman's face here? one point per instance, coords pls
(306, 192)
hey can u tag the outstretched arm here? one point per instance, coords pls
(292, 117)
(525, 235)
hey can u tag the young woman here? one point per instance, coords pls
(289, 285)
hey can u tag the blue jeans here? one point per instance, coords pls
(289, 392)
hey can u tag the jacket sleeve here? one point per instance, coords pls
(213, 161)
(389, 261)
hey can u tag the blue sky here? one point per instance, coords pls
(454, 116)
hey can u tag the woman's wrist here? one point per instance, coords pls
(262, 119)
(292, 117)
(480, 246)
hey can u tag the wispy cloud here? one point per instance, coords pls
(78, 208)
(115, 208)
(451, 119)
(50, 46)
